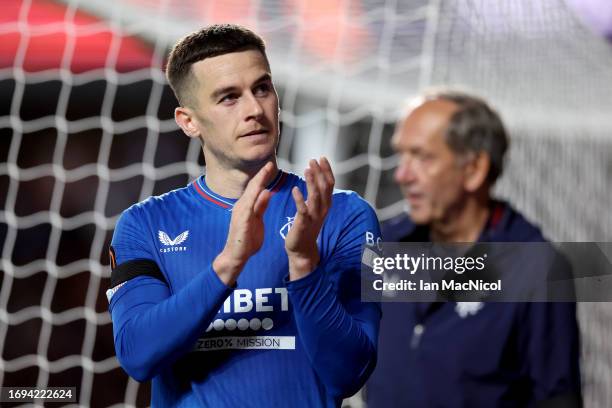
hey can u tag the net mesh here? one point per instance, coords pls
(88, 130)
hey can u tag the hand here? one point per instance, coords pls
(301, 241)
(246, 231)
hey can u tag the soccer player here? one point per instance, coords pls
(243, 288)
(467, 354)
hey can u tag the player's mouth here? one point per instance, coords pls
(256, 133)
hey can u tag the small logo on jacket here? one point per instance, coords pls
(172, 244)
(465, 309)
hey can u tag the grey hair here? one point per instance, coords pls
(475, 127)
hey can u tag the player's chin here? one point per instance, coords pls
(259, 154)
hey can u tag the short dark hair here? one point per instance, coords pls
(208, 42)
(475, 127)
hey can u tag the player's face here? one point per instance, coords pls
(236, 109)
(429, 173)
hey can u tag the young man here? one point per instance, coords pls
(456, 354)
(236, 291)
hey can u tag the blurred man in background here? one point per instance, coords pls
(467, 354)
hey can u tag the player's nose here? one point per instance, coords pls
(253, 107)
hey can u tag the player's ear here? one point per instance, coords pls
(187, 122)
(476, 171)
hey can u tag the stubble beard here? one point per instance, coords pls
(229, 162)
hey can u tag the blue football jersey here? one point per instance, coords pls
(268, 341)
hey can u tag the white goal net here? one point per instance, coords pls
(87, 129)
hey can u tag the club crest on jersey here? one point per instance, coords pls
(172, 245)
(285, 228)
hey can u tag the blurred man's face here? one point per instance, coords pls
(429, 173)
(236, 109)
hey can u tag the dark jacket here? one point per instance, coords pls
(486, 355)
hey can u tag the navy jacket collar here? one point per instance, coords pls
(505, 224)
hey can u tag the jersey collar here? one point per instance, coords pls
(206, 193)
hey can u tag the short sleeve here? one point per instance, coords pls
(130, 253)
(129, 239)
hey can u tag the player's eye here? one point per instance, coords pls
(229, 98)
(262, 89)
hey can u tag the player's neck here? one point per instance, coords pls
(231, 182)
(466, 222)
